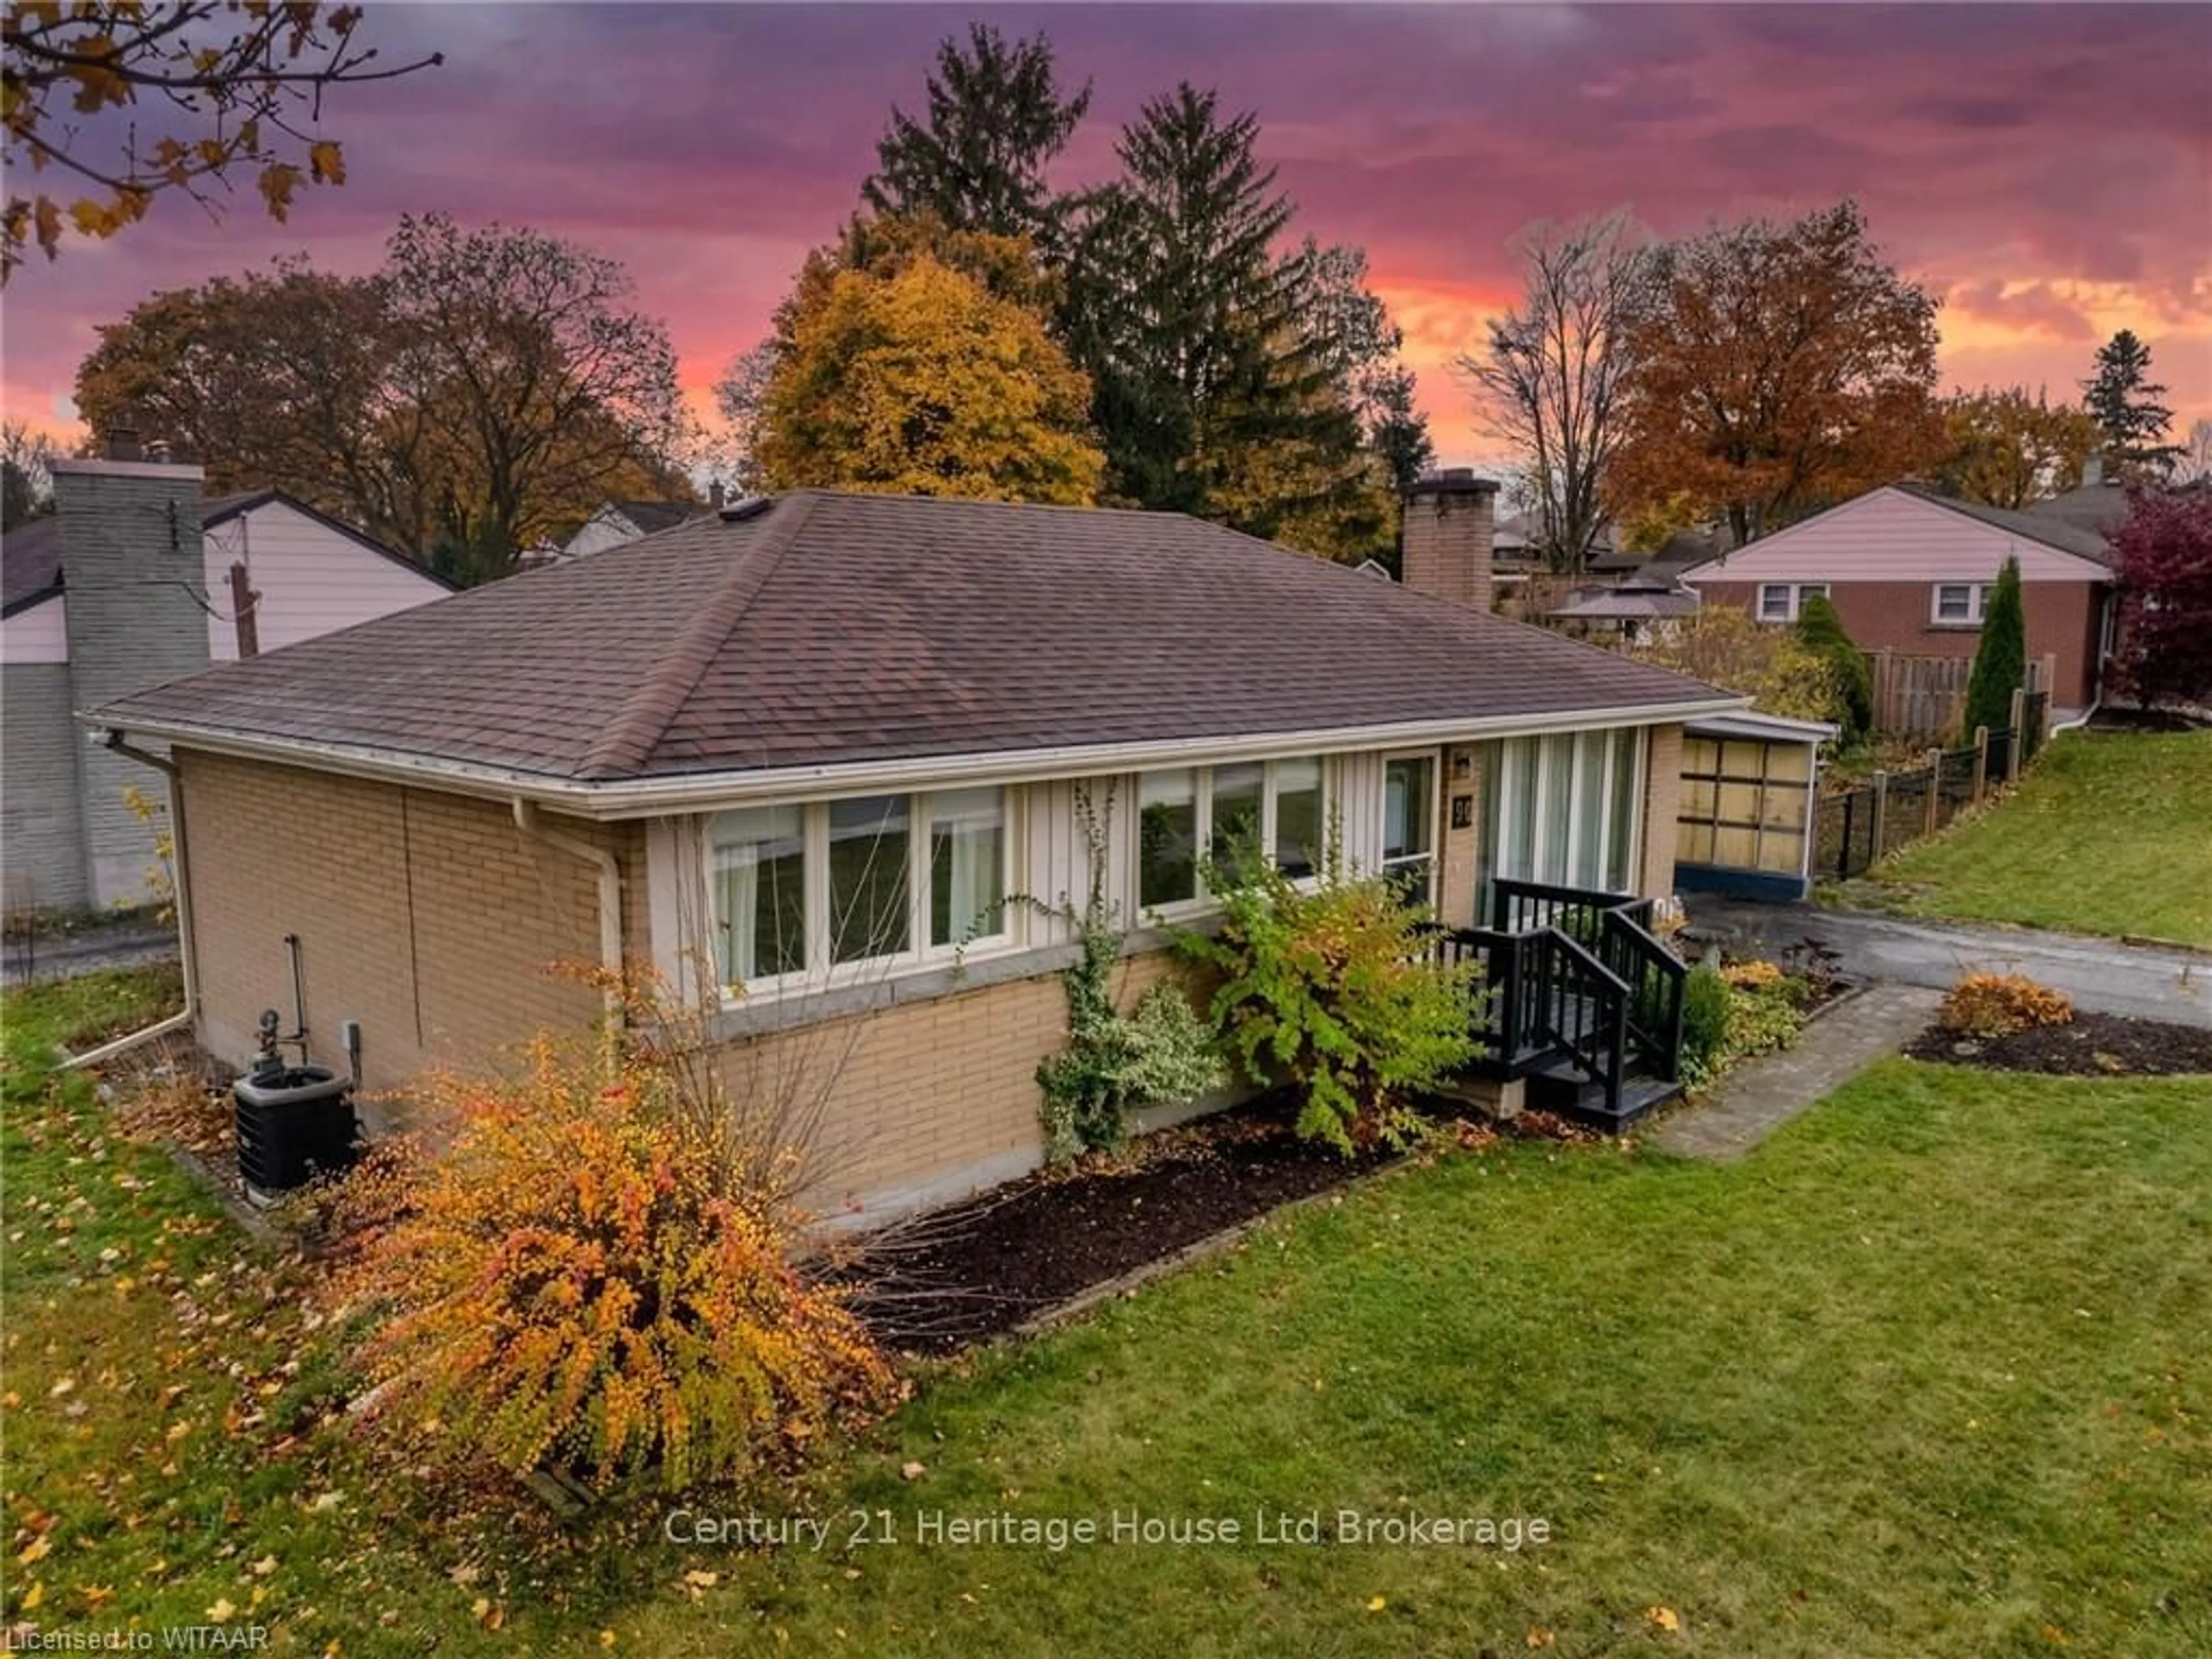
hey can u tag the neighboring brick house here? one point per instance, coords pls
(1910, 570)
(796, 755)
(134, 579)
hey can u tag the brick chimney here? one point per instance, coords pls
(1446, 546)
(138, 609)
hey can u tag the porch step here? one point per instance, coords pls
(1560, 1087)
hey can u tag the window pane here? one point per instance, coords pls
(867, 877)
(756, 862)
(1409, 810)
(1591, 778)
(1236, 808)
(966, 865)
(1556, 825)
(1618, 876)
(1808, 589)
(1774, 602)
(1167, 837)
(1298, 817)
(1952, 603)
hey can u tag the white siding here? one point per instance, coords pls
(39, 634)
(311, 579)
(1889, 536)
(606, 528)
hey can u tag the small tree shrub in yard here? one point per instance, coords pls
(1160, 1053)
(1988, 1006)
(1821, 630)
(2163, 556)
(1736, 1013)
(586, 1281)
(2001, 659)
(1330, 986)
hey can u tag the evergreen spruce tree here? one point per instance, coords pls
(2001, 661)
(2123, 399)
(1192, 328)
(976, 160)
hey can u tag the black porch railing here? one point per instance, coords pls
(1575, 975)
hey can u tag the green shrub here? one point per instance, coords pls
(1159, 1054)
(2001, 659)
(1328, 985)
(1705, 1019)
(1821, 629)
(1761, 1019)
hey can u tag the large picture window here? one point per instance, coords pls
(1278, 806)
(879, 880)
(1563, 809)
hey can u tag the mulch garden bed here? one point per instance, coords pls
(957, 1276)
(2092, 1045)
(961, 1275)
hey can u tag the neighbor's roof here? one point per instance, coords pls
(825, 630)
(652, 517)
(31, 553)
(2100, 509)
(1631, 605)
(30, 563)
(2050, 530)
(216, 510)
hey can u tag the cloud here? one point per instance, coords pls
(2016, 159)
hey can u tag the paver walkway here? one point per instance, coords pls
(2097, 973)
(1764, 1093)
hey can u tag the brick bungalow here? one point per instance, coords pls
(793, 754)
(1909, 570)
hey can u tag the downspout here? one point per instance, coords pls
(179, 854)
(611, 919)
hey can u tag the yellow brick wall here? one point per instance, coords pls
(896, 1098)
(1663, 795)
(1458, 853)
(429, 917)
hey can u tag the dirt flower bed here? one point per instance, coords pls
(2091, 1045)
(960, 1276)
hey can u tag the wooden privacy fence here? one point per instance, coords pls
(1855, 829)
(1917, 696)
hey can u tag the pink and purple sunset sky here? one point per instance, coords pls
(2047, 171)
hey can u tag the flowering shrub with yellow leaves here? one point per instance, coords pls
(1988, 1006)
(586, 1279)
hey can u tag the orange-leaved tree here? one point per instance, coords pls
(1778, 369)
(237, 83)
(594, 1277)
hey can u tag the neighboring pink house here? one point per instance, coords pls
(1909, 571)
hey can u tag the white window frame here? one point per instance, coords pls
(820, 972)
(1977, 603)
(1508, 803)
(1203, 903)
(1794, 595)
(1384, 862)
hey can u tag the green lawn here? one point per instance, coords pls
(1926, 1374)
(2111, 833)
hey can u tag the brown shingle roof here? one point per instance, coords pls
(834, 630)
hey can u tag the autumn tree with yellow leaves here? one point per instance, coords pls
(916, 378)
(241, 82)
